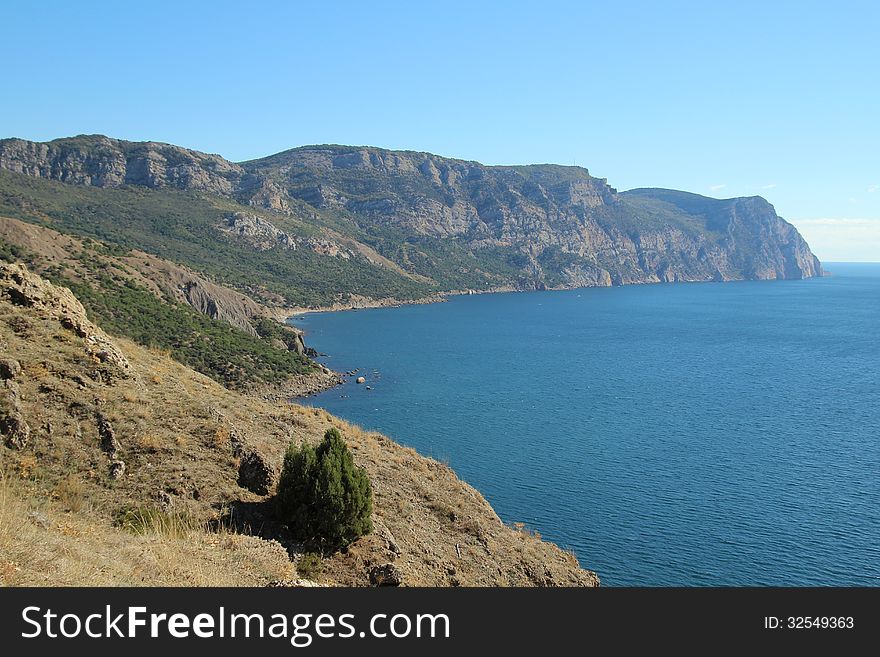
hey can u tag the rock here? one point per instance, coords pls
(15, 430)
(104, 162)
(385, 534)
(386, 575)
(39, 519)
(109, 444)
(329, 248)
(9, 368)
(23, 288)
(117, 468)
(260, 233)
(255, 473)
(297, 344)
(293, 583)
(361, 379)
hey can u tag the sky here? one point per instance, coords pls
(778, 99)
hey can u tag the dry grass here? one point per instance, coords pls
(149, 442)
(41, 547)
(71, 494)
(27, 466)
(167, 524)
(220, 437)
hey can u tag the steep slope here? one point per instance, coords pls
(558, 226)
(753, 241)
(96, 430)
(103, 162)
(216, 330)
(378, 224)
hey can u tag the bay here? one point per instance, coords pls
(683, 434)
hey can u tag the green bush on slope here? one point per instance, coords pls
(323, 497)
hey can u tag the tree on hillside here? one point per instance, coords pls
(323, 497)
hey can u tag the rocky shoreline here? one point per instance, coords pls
(301, 385)
(359, 303)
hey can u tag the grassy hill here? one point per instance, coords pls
(120, 466)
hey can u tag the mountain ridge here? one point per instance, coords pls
(455, 224)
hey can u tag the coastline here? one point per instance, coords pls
(304, 386)
(301, 386)
(358, 303)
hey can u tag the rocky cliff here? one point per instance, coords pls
(452, 223)
(104, 162)
(567, 227)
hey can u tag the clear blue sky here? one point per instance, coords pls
(780, 99)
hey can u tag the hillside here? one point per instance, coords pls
(216, 330)
(121, 466)
(318, 225)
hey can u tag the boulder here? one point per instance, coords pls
(15, 430)
(255, 473)
(117, 468)
(9, 368)
(386, 575)
(361, 379)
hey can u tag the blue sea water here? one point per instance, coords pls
(688, 434)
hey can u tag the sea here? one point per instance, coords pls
(689, 434)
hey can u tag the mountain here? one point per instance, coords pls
(171, 425)
(414, 223)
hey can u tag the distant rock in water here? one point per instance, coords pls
(452, 224)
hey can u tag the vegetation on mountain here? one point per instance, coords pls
(372, 223)
(113, 298)
(184, 227)
(323, 497)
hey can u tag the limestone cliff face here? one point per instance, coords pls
(105, 162)
(741, 237)
(570, 228)
(555, 226)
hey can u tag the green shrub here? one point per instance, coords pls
(310, 565)
(323, 497)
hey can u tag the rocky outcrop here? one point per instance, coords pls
(9, 368)
(13, 427)
(386, 574)
(259, 232)
(103, 162)
(255, 472)
(110, 446)
(329, 248)
(22, 288)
